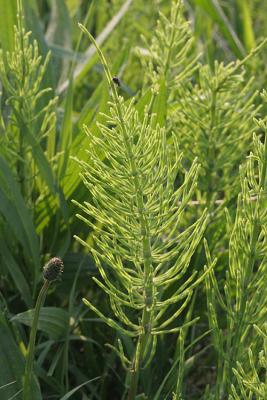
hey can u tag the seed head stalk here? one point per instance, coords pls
(52, 271)
(31, 347)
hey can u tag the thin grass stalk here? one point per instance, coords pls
(31, 347)
(52, 271)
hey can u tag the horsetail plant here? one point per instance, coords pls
(252, 381)
(135, 213)
(219, 109)
(215, 102)
(170, 55)
(22, 72)
(51, 272)
(28, 145)
(245, 285)
(218, 106)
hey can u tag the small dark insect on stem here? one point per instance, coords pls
(116, 81)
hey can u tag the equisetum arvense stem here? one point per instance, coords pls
(144, 232)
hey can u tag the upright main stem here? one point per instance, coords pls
(30, 350)
(147, 258)
(145, 327)
(148, 286)
(211, 155)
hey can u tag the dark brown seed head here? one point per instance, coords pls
(53, 269)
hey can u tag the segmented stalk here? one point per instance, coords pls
(144, 232)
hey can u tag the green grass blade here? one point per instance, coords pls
(215, 11)
(59, 32)
(83, 67)
(247, 28)
(13, 362)
(52, 320)
(66, 133)
(17, 215)
(34, 24)
(15, 272)
(41, 160)
(7, 21)
(71, 392)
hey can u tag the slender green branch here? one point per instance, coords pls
(172, 37)
(179, 384)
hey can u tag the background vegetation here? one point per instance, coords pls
(52, 84)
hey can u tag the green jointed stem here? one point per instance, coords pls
(176, 14)
(30, 350)
(141, 286)
(179, 384)
(144, 232)
(250, 266)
